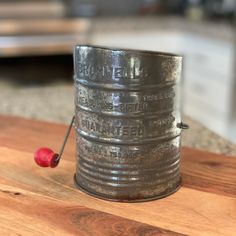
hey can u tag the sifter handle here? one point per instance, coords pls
(45, 157)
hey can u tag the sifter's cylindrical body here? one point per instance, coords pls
(127, 121)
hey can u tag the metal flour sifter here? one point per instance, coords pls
(127, 122)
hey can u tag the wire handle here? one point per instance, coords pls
(45, 157)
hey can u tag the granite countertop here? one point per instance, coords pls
(55, 102)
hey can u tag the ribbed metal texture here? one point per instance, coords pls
(127, 122)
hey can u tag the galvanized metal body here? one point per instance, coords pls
(127, 120)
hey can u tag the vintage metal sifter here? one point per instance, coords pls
(127, 122)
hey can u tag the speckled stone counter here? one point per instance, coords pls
(55, 102)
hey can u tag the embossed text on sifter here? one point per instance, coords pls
(128, 123)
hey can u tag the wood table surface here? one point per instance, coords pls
(43, 201)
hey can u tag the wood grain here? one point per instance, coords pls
(205, 205)
(28, 135)
(27, 213)
(209, 172)
(185, 212)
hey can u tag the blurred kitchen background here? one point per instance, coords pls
(37, 38)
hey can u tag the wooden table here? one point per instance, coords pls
(41, 201)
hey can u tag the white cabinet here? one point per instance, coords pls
(209, 84)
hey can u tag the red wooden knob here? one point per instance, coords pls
(45, 157)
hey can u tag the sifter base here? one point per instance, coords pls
(78, 186)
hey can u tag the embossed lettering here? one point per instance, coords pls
(119, 73)
(106, 72)
(107, 129)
